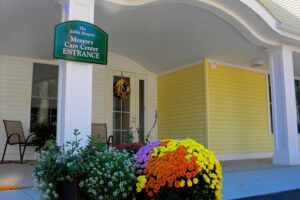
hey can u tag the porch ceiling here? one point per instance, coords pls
(165, 36)
(161, 37)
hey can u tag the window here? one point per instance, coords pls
(297, 90)
(121, 115)
(44, 94)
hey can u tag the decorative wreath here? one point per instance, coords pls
(122, 88)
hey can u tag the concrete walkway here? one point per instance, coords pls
(257, 177)
(242, 179)
(23, 194)
(17, 174)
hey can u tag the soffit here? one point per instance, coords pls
(285, 11)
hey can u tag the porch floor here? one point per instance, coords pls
(20, 175)
(16, 174)
(248, 178)
(242, 179)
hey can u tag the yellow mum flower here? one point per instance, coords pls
(218, 195)
(138, 189)
(182, 183)
(206, 178)
(189, 183)
(141, 181)
(195, 180)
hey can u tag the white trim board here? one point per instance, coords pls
(244, 156)
(249, 68)
(181, 67)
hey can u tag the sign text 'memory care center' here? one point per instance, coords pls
(80, 41)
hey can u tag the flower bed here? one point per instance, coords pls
(166, 169)
(178, 169)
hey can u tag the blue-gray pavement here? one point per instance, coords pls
(241, 179)
(286, 195)
(16, 174)
(22, 194)
(240, 184)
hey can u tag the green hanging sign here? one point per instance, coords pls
(80, 41)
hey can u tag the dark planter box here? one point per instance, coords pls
(70, 191)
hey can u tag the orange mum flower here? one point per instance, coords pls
(177, 184)
(150, 194)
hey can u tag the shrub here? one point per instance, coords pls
(43, 132)
(57, 165)
(132, 148)
(178, 169)
(110, 176)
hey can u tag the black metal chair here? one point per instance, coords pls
(15, 136)
(100, 131)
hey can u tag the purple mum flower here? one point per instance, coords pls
(142, 156)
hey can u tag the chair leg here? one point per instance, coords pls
(23, 153)
(4, 151)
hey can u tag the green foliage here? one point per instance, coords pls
(128, 136)
(90, 152)
(43, 132)
(109, 176)
(56, 165)
(109, 173)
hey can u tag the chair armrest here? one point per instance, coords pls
(29, 137)
(8, 139)
(108, 140)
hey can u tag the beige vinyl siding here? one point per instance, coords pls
(99, 98)
(152, 106)
(181, 104)
(238, 118)
(15, 99)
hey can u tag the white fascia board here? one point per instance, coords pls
(126, 2)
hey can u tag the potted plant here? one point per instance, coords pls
(109, 175)
(76, 173)
(58, 171)
(43, 132)
(128, 141)
(131, 148)
(178, 169)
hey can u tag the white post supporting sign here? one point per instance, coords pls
(75, 82)
(286, 149)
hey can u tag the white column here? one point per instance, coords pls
(75, 82)
(286, 149)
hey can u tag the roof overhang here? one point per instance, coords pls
(160, 35)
